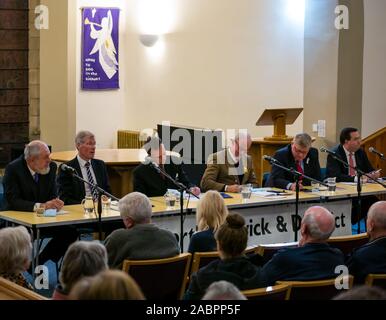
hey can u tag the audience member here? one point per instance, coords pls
(210, 215)
(140, 239)
(314, 259)
(82, 259)
(223, 290)
(362, 293)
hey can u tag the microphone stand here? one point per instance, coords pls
(359, 174)
(297, 176)
(100, 193)
(181, 188)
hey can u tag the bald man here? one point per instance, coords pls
(29, 183)
(314, 259)
(228, 169)
(371, 257)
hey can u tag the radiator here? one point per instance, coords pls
(129, 140)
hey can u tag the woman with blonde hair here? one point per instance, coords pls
(210, 215)
(107, 285)
(15, 254)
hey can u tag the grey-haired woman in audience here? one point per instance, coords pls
(82, 259)
(15, 255)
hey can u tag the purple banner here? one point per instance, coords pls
(100, 68)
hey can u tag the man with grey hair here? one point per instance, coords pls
(371, 257)
(230, 168)
(71, 189)
(141, 239)
(314, 259)
(300, 156)
(29, 184)
(223, 290)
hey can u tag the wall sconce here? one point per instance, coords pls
(148, 40)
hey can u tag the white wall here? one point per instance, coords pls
(374, 67)
(224, 62)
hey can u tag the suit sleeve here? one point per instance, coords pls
(106, 186)
(13, 193)
(252, 176)
(334, 169)
(65, 185)
(316, 173)
(182, 177)
(367, 165)
(277, 177)
(209, 179)
(139, 182)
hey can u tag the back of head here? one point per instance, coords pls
(211, 211)
(303, 140)
(83, 258)
(318, 224)
(362, 293)
(135, 206)
(15, 250)
(232, 236)
(377, 216)
(223, 290)
(107, 285)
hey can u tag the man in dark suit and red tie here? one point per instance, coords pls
(300, 156)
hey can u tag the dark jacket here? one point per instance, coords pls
(202, 241)
(338, 170)
(71, 189)
(280, 178)
(239, 271)
(369, 258)
(148, 181)
(20, 189)
(313, 261)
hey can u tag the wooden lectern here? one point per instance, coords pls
(279, 118)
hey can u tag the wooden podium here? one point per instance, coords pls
(279, 118)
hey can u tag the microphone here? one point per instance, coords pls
(270, 159)
(373, 150)
(322, 149)
(67, 168)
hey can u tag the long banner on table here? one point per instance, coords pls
(271, 224)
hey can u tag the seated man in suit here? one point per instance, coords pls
(152, 183)
(300, 156)
(29, 184)
(140, 239)
(71, 189)
(371, 257)
(314, 259)
(351, 152)
(230, 168)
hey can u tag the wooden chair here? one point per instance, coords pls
(12, 291)
(163, 279)
(268, 250)
(347, 243)
(315, 290)
(278, 292)
(201, 259)
(378, 280)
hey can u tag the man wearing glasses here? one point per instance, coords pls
(300, 156)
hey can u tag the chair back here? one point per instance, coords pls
(378, 280)
(347, 244)
(268, 250)
(162, 279)
(277, 292)
(12, 291)
(316, 289)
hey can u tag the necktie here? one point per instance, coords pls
(351, 163)
(300, 169)
(36, 177)
(90, 179)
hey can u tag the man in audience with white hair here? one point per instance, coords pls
(223, 290)
(141, 239)
(15, 254)
(314, 259)
(371, 257)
